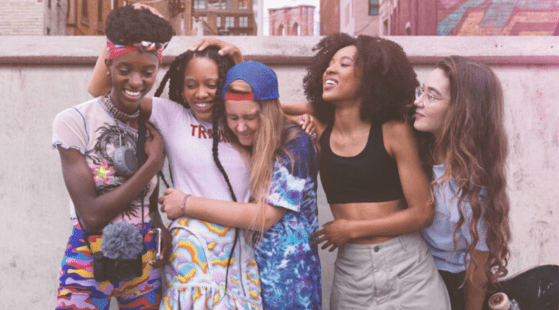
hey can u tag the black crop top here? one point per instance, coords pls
(370, 176)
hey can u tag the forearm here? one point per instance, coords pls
(395, 224)
(476, 286)
(296, 108)
(97, 211)
(234, 214)
(100, 82)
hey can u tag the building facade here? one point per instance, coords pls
(292, 21)
(22, 17)
(473, 17)
(224, 17)
(329, 17)
(440, 17)
(188, 17)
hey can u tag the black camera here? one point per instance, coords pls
(124, 270)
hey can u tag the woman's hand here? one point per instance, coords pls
(335, 233)
(166, 247)
(225, 48)
(171, 203)
(155, 146)
(307, 124)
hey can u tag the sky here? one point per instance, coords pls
(273, 4)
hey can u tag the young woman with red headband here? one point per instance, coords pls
(97, 141)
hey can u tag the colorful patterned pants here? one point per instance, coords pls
(79, 290)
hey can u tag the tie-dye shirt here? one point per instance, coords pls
(289, 267)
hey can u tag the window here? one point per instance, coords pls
(243, 4)
(199, 5)
(218, 22)
(243, 21)
(373, 7)
(84, 8)
(229, 22)
(217, 5)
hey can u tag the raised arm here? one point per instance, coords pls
(226, 48)
(400, 142)
(227, 213)
(100, 82)
(96, 211)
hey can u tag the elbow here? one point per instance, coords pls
(92, 223)
(426, 219)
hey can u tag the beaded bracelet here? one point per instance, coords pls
(184, 202)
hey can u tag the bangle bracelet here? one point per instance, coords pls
(184, 203)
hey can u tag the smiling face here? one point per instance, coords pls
(342, 79)
(200, 86)
(243, 118)
(132, 75)
(432, 105)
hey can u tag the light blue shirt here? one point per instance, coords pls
(439, 235)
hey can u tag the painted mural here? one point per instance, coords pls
(498, 17)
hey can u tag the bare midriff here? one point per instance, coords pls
(359, 211)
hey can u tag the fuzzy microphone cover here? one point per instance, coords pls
(121, 240)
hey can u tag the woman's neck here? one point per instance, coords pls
(347, 119)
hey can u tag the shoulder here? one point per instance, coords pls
(77, 113)
(398, 135)
(301, 144)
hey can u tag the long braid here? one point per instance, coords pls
(218, 109)
(175, 76)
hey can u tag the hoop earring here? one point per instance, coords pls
(183, 97)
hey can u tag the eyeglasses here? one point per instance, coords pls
(430, 98)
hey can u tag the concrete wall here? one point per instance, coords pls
(40, 76)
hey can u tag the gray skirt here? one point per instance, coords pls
(397, 274)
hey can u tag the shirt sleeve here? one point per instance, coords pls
(481, 228)
(290, 175)
(70, 130)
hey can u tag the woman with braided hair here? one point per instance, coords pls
(372, 175)
(212, 266)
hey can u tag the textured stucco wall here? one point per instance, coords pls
(47, 75)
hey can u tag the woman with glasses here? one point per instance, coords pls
(460, 111)
(372, 176)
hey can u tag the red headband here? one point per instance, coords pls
(238, 97)
(116, 50)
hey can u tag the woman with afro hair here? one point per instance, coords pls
(106, 193)
(212, 266)
(372, 175)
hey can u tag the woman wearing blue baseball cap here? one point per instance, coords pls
(283, 182)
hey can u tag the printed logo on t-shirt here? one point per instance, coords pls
(200, 132)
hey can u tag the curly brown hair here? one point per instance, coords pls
(474, 147)
(388, 81)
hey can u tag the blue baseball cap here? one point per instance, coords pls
(261, 78)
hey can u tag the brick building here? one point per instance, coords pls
(329, 17)
(224, 17)
(87, 17)
(473, 17)
(21, 17)
(188, 17)
(440, 17)
(292, 21)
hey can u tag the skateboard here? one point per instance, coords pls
(533, 289)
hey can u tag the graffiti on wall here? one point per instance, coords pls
(498, 17)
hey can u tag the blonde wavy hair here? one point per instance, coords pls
(273, 133)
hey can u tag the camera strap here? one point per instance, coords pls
(141, 156)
